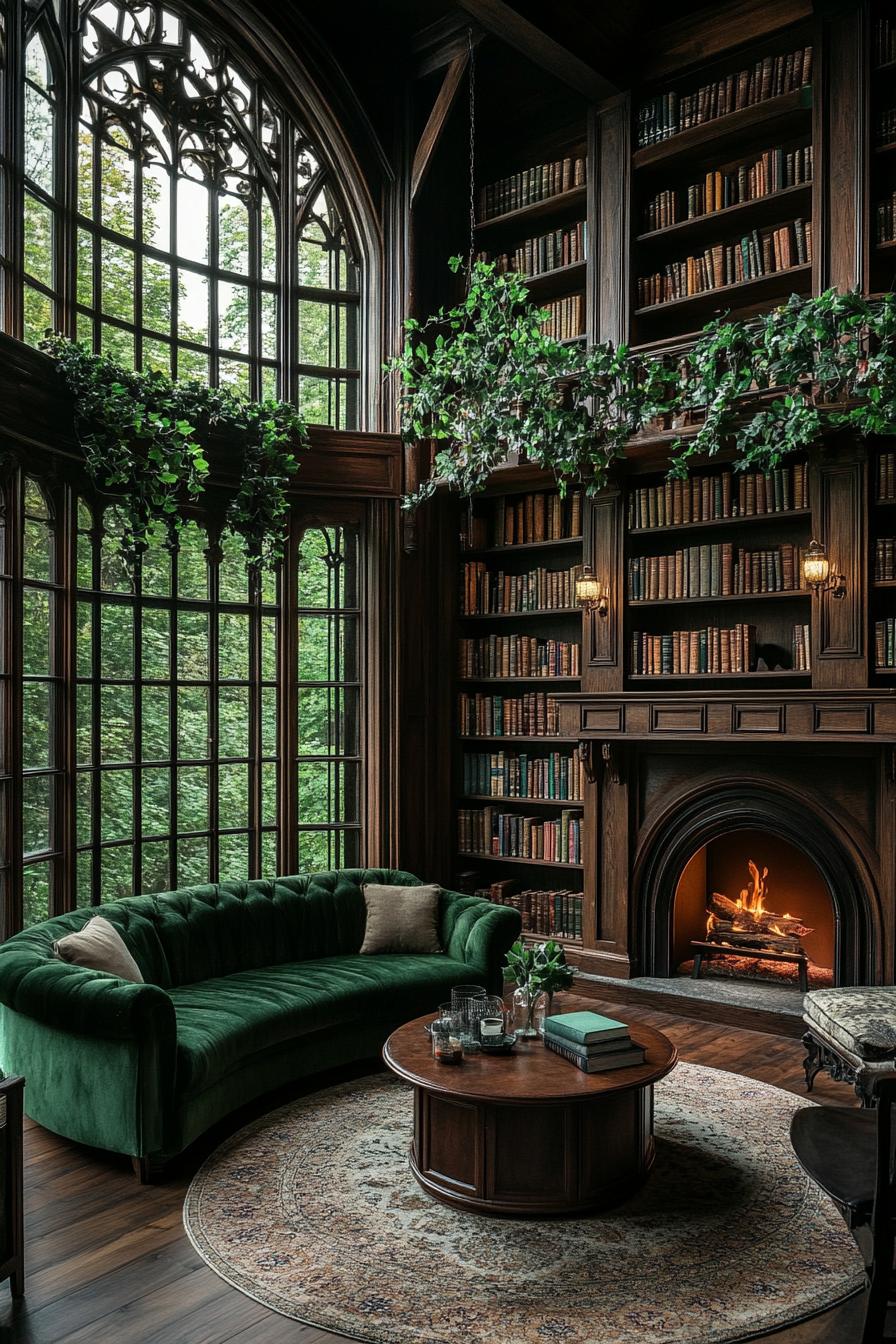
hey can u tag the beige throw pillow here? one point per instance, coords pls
(100, 947)
(401, 919)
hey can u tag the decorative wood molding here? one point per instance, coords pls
(736, 716)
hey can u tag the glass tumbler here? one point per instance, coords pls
(464, 1000)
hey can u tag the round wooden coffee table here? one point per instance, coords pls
(529, 1133)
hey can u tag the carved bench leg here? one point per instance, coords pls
(813, 1063)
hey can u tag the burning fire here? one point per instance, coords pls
(748, 921)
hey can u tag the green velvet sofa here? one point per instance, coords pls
(249, 985)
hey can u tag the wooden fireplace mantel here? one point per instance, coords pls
(866, 716)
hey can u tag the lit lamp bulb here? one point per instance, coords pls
(817, 571)
(591, 594)
(816, 566)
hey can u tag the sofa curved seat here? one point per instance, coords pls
(248, 986)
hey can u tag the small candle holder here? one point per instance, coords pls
(446, 1045)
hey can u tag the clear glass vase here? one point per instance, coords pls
(528, 1012)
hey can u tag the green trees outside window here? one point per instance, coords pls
(185, 195)
(149, 748)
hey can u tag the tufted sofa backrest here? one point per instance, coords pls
(198, 933)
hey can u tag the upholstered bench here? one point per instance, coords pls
(851, 1032)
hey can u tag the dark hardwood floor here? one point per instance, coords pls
(108, 1260)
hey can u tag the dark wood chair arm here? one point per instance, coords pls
(884, 1087)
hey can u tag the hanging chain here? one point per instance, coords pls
(471, 52)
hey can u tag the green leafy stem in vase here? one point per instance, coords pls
(540, 970)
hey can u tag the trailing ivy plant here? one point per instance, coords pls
(482, 380)
(811, 363)
(142, 437)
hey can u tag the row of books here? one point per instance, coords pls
(693, 652)
(772, 171)
(668, 113)
(530, 185)
(566, 318)
(884, 41)
(542, 912)
(885, 642)
(592, 1042)
(714, 571)
(755, 255)
(886, 476)
(885, 126)
(547, 252)
(517, 656)
(517, 520)
(487, 593)
(532, 715)
(486, 830)
(802, 649)
(548, 913)
(885, 219)
(511, 774)
(704, 499)
(885, 558)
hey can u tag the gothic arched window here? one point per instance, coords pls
(172, 213)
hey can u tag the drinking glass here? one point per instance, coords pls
(492, 1022)
(464, 1000)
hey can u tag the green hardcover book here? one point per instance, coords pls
(612, 1046)
(586, 1028)
(626, 1058)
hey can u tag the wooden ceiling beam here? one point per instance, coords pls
(435, 124)
(538, 46)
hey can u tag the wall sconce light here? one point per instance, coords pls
(817, 571)
(591, 594)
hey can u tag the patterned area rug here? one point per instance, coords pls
(313, 1212)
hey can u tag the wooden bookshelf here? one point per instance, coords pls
(760, 210)
(474, 552)
(739, 520)
(743, 293)
(506, 506)
(539, 613)
(882, 524)
(881, 163)
(779, 118)
(562, 203)
(561, 280)
(518, 860)
(723, 154)
(496, 800)
(789, 594)
(541, 738)
(513, 681)
(662, 558)
(787, 674)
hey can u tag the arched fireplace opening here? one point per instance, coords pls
(751, 905)
(701, 843)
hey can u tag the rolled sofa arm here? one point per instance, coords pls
(76, 999)
(479, 933)
(99, 1054)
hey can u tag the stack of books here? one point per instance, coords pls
(595, 1044)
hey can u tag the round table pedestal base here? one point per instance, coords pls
(531, 1159)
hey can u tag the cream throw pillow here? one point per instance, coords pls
(401, 919)
(100, 947)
